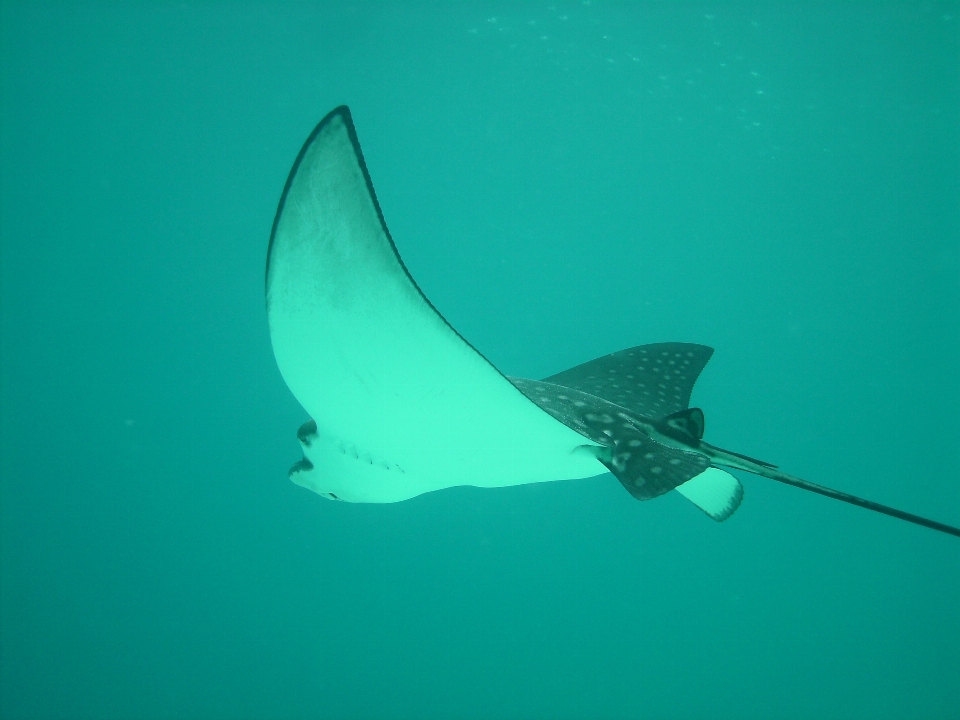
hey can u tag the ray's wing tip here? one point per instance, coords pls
(342, 113)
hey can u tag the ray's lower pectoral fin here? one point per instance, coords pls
(647, 468)
(716, 492)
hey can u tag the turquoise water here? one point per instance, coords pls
(780, 181)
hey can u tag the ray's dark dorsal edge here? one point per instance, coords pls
(401, 404)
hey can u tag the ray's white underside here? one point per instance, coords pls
(403, 405)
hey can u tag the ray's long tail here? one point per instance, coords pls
(729, 459)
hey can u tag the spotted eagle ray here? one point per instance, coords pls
(402, 404)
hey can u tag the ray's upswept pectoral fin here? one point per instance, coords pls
(403, 404)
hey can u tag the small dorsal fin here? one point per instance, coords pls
(689, 421)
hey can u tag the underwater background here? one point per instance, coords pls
(779, 180)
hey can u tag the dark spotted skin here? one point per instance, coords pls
(622, 401)
(651, 381)
(644, 443)
(646, 468)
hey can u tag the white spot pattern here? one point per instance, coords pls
(649, 380)
(644, 467)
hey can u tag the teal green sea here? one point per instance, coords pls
(778, 180)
